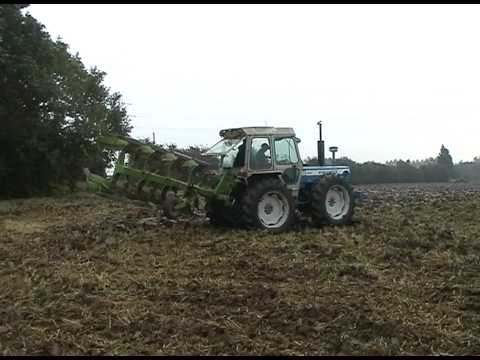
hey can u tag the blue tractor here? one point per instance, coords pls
(273, 187)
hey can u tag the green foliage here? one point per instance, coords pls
(52, 110)
(444, 158)
(445, 164)
(468, 171)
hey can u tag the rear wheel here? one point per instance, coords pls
(268, 205)
(219, 214)
(332, 201)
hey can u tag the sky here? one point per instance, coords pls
(387, 81)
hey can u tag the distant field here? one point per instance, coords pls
(88, 275)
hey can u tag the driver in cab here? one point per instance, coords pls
(261, 160)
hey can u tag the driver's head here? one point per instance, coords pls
(265, 147)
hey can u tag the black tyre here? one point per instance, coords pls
(218, 214)
(332, 201)
(267, 204)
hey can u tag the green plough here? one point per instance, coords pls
(171, 179)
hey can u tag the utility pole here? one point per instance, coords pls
(153, 137)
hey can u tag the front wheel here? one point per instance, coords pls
(268, 205)
(332, 201)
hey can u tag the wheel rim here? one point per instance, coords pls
(337, 202)
(273, 209)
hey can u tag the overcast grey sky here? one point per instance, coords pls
(387, 81)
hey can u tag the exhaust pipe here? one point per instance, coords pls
(320, 147)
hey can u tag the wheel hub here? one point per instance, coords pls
(273, 209)
(337, 202)
(268, 209)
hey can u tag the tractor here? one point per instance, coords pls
(272, 184)
(253, 177)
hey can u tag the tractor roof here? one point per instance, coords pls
(256, 130)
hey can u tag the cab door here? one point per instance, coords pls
(287, 161)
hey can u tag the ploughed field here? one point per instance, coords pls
(90, 275)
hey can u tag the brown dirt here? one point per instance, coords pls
(85, 275)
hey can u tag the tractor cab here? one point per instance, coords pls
(255, 151)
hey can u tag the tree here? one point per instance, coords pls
(444, 157)
(445, 164)
(52, 109)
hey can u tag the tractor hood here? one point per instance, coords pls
(312, 173)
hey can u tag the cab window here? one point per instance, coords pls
(285, 152)
(260, 155)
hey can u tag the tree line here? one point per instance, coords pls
(438, 169)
